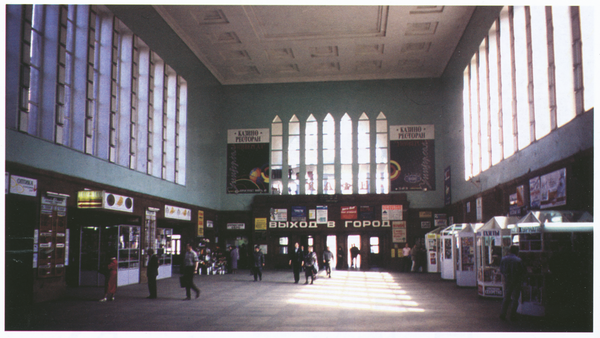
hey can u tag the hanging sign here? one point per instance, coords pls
(178, 213)
(412, 157)
(247, 160)
(200, 223)
(23, 185)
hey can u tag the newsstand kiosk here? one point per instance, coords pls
(432, 248)
(557, 250)
(493, 242)
(465, 267)
(449, 251)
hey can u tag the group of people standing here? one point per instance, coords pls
(309, 262)
(413, 259)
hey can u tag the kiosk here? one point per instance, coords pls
(164, 252)
(448, 251)
(465, 258)
(128, 254)
(557, 250)
(432, 250)
(493, 241)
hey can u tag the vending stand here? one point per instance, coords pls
(164, 252)
(465, 267)
(557, 250)
(128, 254)
(448, 251)
(432, 248)
(493, 241)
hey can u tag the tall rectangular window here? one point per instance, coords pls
(329, 155)
(311, 158)
(276, 156)
(526, 80)
(381, 155)
(346, 154)
(363, 136)
(294, 156)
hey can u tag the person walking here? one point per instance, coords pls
(513, 270)
(310, 261)
(190, 265)
(296, 261)
(110, 280)
(259, 262)
(406, 259)
(327, 258)
(235, 256)
(152, 272)
(354, 252)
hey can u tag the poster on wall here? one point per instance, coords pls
(321, 214)
(349, 212)
(412, 157)
(554, 189)
(399, 232)
(447, 187)
(200, 228)
(517, 201)
(366, 212)
(299, 214)
(260, 224)
(247, 161)
(391, 212)
(278, 215)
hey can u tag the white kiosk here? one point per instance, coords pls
(448, 251)
(465, 267)
(493, 241)
(432, 249)
(557, 250)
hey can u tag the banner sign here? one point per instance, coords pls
(298, 214)
(447, 187)
(23, 185)
(391, 212)
(247, 161)
(200, 232)
(349, 212)
(178, 213)
(412, 157)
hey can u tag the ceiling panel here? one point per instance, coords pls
(277, 44)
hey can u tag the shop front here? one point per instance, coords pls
(360, 230)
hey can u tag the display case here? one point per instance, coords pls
(557, 250)
(493, 241)
(466, 253)
(432, 250)
(448, 251)
(164, 252)
(128, 254)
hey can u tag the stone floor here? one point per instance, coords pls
(351, 301)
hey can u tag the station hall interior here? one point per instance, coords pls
(456, 131)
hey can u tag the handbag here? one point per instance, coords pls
(182, 281)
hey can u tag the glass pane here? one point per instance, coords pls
(374, 240)
(276, 157)
(346, 179)
(277, 142)
(294, 128)
(277, 129)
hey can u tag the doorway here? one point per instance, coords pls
(354, 251)
(331, 243)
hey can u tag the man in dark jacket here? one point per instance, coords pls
(296, 261)
(259, 262)
(513, 270)
(152, 272)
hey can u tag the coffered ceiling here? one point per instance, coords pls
(277, 44)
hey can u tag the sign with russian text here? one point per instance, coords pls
(391, 212)
(412, 157)
(398, 232)
(23, 185)
(247, 161)
(200, 223)
(298, 214)
(260, 224)
(349, 212)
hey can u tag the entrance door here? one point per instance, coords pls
(374, 252)
(89, 254)
(354, 251)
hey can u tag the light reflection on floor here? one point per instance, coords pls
(376, 291)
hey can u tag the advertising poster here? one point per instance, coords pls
(260, 224)
(321, 214)
(247, 161)
(399, 232)
(391, 212)
(349, 212)
(554, 189)
(23, 186)
(535, 193)
(298, 214)
(200, 232)
(425, 224)
(412, 157)
(447, 187)
(278, 215)
(366, 212)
